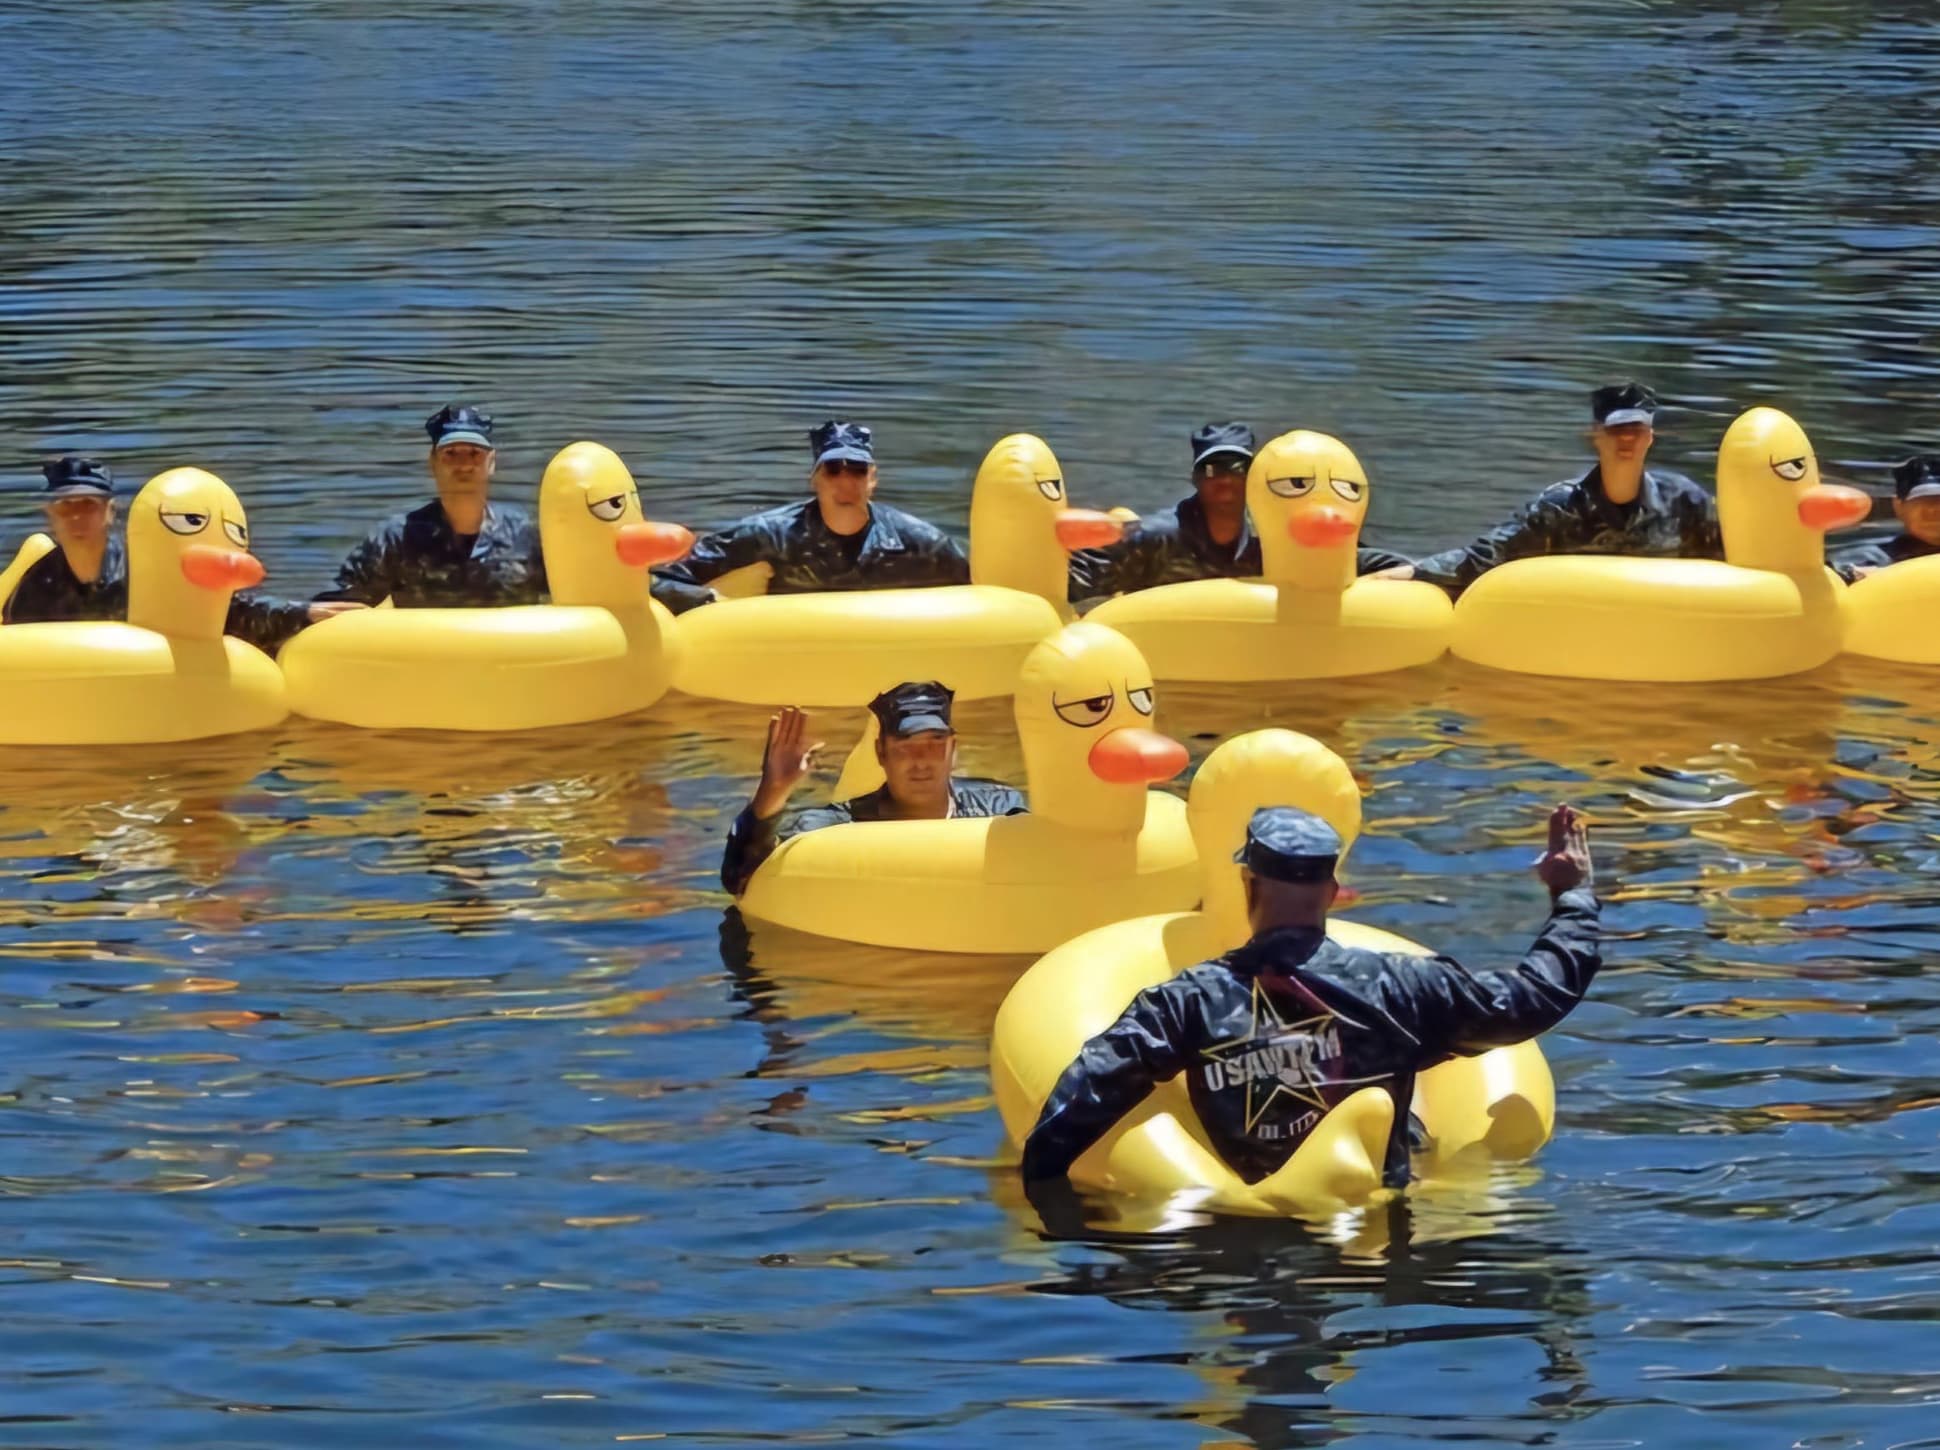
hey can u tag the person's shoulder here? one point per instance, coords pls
(779, 519)
(1670, 481)
(1565, 493)
(991, 797)
(905, 523)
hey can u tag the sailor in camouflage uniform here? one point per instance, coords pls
(1274, 1034)
(917, 747)
(460, 550)
(839, 539)
(1618, 507)
(86, 575)
(1916, 503)
(1202, 537)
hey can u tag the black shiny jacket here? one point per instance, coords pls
(1847, 562)
(418, 562)
(1274, 1034)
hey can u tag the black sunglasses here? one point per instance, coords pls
(845, 467)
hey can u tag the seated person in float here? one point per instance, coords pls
(916, 746)
(1205, 536)
(1916, 503)
(839, 539)
(1274, 1034)
(460, 550)
(1618, 507)
(85, 575)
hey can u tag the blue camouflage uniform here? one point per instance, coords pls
(1848, 561)
(418, 562)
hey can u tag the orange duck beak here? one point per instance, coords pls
(1829, 506)
(641, 546)
(207, 567)
(1087, 529)
(1322, 528)
(1134, 756)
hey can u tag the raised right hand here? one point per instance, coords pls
(1566, 864)
(785, 762)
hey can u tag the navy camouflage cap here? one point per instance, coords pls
(1918, 477)
(71, 476)
(835, 441)
(1284, 843)
(1621, 403)
(910, 709)
(459, 423)
(1217, 438)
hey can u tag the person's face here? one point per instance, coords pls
(843, 487)
(917, 767)
(463, 470)
(1920, 517)
(1623, 444)
(80, 521)
(1221, 482)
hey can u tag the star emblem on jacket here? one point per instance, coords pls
(1278, 1057)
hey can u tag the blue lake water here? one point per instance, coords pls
(391, 1090)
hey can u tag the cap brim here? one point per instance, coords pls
(464, 435)
(1621, 416)
(1234, 449)
(844, 454)
(79, 490)
(1929, 489)
(917, 724)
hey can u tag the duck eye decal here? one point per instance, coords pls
(1791, 469)
(608, 509)
(1141, 700)
(1083, 713)
(1051, 488)
(1348, 489)
(182, 523)
(1290, 487)
(238, 535)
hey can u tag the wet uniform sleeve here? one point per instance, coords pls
(679, 595)
(1113, 1074)
(1848, 562)
(266, 623)
(715, 554)
(1129, 565)
(945, 557)
(1537, 528)
(752, 840)
(1371, 560)
(369, 574)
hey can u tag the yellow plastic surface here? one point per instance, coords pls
(603, 648)
(1502, 1103)
(1091, 851)
(1891, 614)
(167, 674)
(1771, 609)
(33, 549)
(1309, 617)
(845, 648)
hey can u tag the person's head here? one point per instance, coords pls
(1623, 418)
(916, 744)
(80, 502)
(1287, 865)
(1916, 497)
(843, 475)
(1221, 454)
(462, 456)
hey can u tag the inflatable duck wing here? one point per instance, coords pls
(1309, 617)
(1097, 846)
(601, 648)
(844, 648)
(1502, 1102)
(1771, 608)
(169, 673)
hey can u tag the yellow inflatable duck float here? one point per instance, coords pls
(845, 647)
(1890, 613)
(32, 550)
(601, 648)
(1502, 1103)
(1309, 618)
(169, 673)
(1771, 608)
(1097, 846)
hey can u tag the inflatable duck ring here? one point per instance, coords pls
(1501, 1103)
(1097, 846)
(600, 649)
(1890, 613)
(169, 673)
(1309, 618)
(1771, 608)
(846, 647)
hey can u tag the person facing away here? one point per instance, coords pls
(1205, 536)
(461, 550)
(839, 538)
(917, 747)
(1618, 507)
(1916, 503)
(1276, 1032)
(85, 575)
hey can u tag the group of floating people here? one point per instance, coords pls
(1314, 1053)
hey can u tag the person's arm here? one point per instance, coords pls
(264, 622)
(785, 761)
(946, 561)
(678, 595)
(1703, 538)
(368, 574)
(1383, 562)
(713, 555)
(1534, 530)
(1112, 1074)
(1854, 564)
(1121, 568)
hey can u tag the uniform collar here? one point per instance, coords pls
(1191, 515)
(1647, 499)
(879, 536)
(114, 565)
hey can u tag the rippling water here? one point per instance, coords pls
(405, 1091)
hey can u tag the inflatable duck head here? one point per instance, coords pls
(1260, 768)
(597, 544)
(1084, 715)
(188, 551)
(1022, 529)
(1772, 509)
(1307, 494)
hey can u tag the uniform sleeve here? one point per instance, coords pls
(1536, 529)
(1112, 1075)
(678, 595)
(715, 554)
(752, 840)
(1371, 560)
(266, 623)
(1848, 562)
(1451, 1011)
(1120, 568)
(948, 563)
(1703, 538)
(368, 575)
